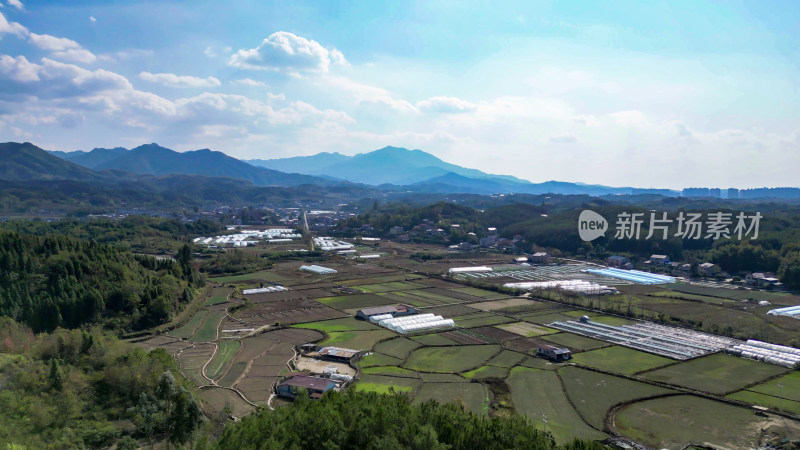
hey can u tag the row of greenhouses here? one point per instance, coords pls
(416, 322)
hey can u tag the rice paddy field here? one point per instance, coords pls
(489, 358)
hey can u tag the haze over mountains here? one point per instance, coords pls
(387, 168)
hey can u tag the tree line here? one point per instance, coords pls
(55, 280)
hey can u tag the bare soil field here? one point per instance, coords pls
(493, 305)
(217, 400)
(495, 333)
(192, 359)
(286, 312)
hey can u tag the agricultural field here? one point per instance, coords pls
(486, 362)
(356, 340)
(575, 342)
(218, 295)
(620, 360)
(224, 354)
(770, 401)
(452, 359)
(473, 396)
(398, 347)
(208, 330)
(538, 394)
(187, 330)
(654, 423)
(526, 329)
(718, 373)
(593, 393)
(343, 324)
(384, 384)
(781, 393)
(219, 400)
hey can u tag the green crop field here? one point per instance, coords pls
(379, 359)
(769, 401)
(538, 395)
(486, 372)
(473, 396)
(224, 354)
(442, 378)
(218, 295)
(593, 393)
(384, 384)
(506, 358)
(575, 342)
(388, 287)
(694, 297)
(186, 330)
(433, 339)
(450, 359)
(611, 320)
(399, 347)
(356, 340)
(482, 293)
(356, 301)
(718, 373)
(787, 386)
(734, 294)
(620, 360)
(676, 421)
(343, 324)
(544, 318)
(468, 322)
(538, 363)
(390, 371)
(208, 331)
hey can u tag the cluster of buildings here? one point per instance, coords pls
(329, 244)
(733, 193)
(248, 238)
(662, 263)
(331, 369)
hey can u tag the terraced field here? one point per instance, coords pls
(486, 362)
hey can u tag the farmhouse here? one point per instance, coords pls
(708, 269)
(393, 310)
(659, 259)
(336, 354)
(291, 385)
(555, 354)
(540, 258)
(619, 262)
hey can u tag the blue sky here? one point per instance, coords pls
(649, 94)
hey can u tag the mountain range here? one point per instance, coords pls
(152, 159)
(388, 169)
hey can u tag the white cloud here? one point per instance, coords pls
(364, 93)
(16, 4)
(62, 48)
(80, 55)
(52, 43)
(210, 52)
(446, 105)
(179, 81)
(288, 52)
(14, 28)
(18, 69)
(249, 82)
(564, 138)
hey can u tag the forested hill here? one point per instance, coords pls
(353, 420)
(51, 281)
